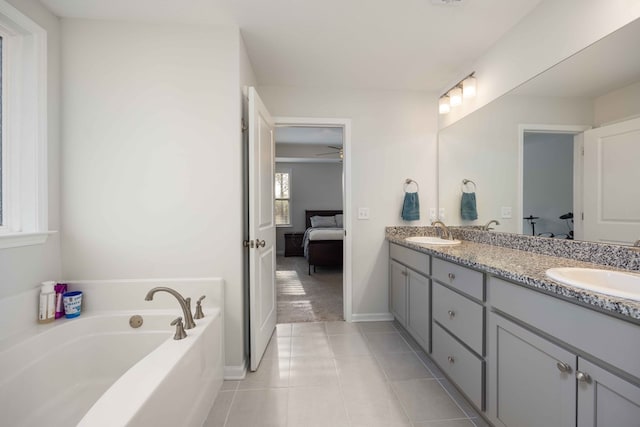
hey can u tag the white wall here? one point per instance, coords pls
(152, 157)
(484, 148)
(552, 32)
(548, 181)
(25, 267)
(313, 186)
(393, 137)
(620, 104)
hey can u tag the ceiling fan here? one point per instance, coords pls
(338, 150)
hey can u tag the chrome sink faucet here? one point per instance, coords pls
(185, 304)
(445, 233)
(488, 227)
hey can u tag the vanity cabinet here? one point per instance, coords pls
(458, 327)
(556, 354)
(409, 292)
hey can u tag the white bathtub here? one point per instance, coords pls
(96, 370)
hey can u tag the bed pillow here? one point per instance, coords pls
(339, 221)
(323, 221)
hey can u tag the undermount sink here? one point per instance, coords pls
(614, 283)
(430, 240)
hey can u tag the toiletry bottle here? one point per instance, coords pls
(47, 311)
(60, 289)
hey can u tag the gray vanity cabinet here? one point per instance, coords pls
(409, 292)
(605, 399)
(532, 382)
(398, 291)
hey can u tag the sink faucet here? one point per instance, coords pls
(488, 227)
(445, 232)
(636, 243)
(185, 304)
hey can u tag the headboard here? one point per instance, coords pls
(309, 214)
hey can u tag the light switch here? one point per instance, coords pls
(363, 213)
(441, 215)
(506, 212)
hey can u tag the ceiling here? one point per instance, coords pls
(344, 44)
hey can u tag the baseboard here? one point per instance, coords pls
(371, 317)
(237, 372)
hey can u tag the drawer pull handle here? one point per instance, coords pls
(452, 276)
(451, 360)
(451, 314)
(563, 367)
(583, 377)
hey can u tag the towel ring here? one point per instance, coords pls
(408, 182)
(468, 181)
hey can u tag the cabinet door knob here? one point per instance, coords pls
(563, 367)
(451, 314)
(451, 360)
(452, 276)
(583, 377)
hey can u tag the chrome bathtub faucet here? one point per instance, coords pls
(185, 304)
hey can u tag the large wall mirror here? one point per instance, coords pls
(559, 156)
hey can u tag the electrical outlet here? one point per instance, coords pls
(432, 214)
(441, 214)
(363, 213)
(506, 212)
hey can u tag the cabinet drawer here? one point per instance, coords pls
(462, 366)
(412, 259)
(464, 279)
(461, 316)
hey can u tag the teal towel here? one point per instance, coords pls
(411, 207)
(468, 210)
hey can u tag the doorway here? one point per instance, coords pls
(310, 199)
(550, 175)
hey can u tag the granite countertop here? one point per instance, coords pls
(527, 268)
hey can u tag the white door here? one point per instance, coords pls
(612, 183)
(262, 229)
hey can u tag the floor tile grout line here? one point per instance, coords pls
(226, 417)
(437, 379)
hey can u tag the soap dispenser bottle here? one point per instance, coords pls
(47, 309)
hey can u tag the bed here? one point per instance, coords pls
(322, 245)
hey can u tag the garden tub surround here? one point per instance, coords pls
(525, 259)
(96, 370)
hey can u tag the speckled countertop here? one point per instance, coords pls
(524, 267)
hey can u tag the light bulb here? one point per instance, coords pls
(469, 87)
(443, 105)
(455, 96)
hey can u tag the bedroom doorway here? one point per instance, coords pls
(310, 181)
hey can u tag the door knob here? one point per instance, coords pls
(260, 243)
(247, 243)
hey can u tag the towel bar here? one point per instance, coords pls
(408, 182)
(468, 181)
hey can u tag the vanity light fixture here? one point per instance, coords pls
(469, 87)
(455, 96)
(443, 105)
(465, 88)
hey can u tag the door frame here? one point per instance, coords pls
(345, 124)
(577, 163)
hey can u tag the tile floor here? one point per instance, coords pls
(335, 374)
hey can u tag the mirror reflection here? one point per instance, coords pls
(558, 156)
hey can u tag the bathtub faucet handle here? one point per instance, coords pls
(199, 313)
(180, 333)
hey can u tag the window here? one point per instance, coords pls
(283, 198)
(23, 129)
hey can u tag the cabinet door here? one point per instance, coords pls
(605, 399)
(398, 292)
(532, 380)
(419, 308)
